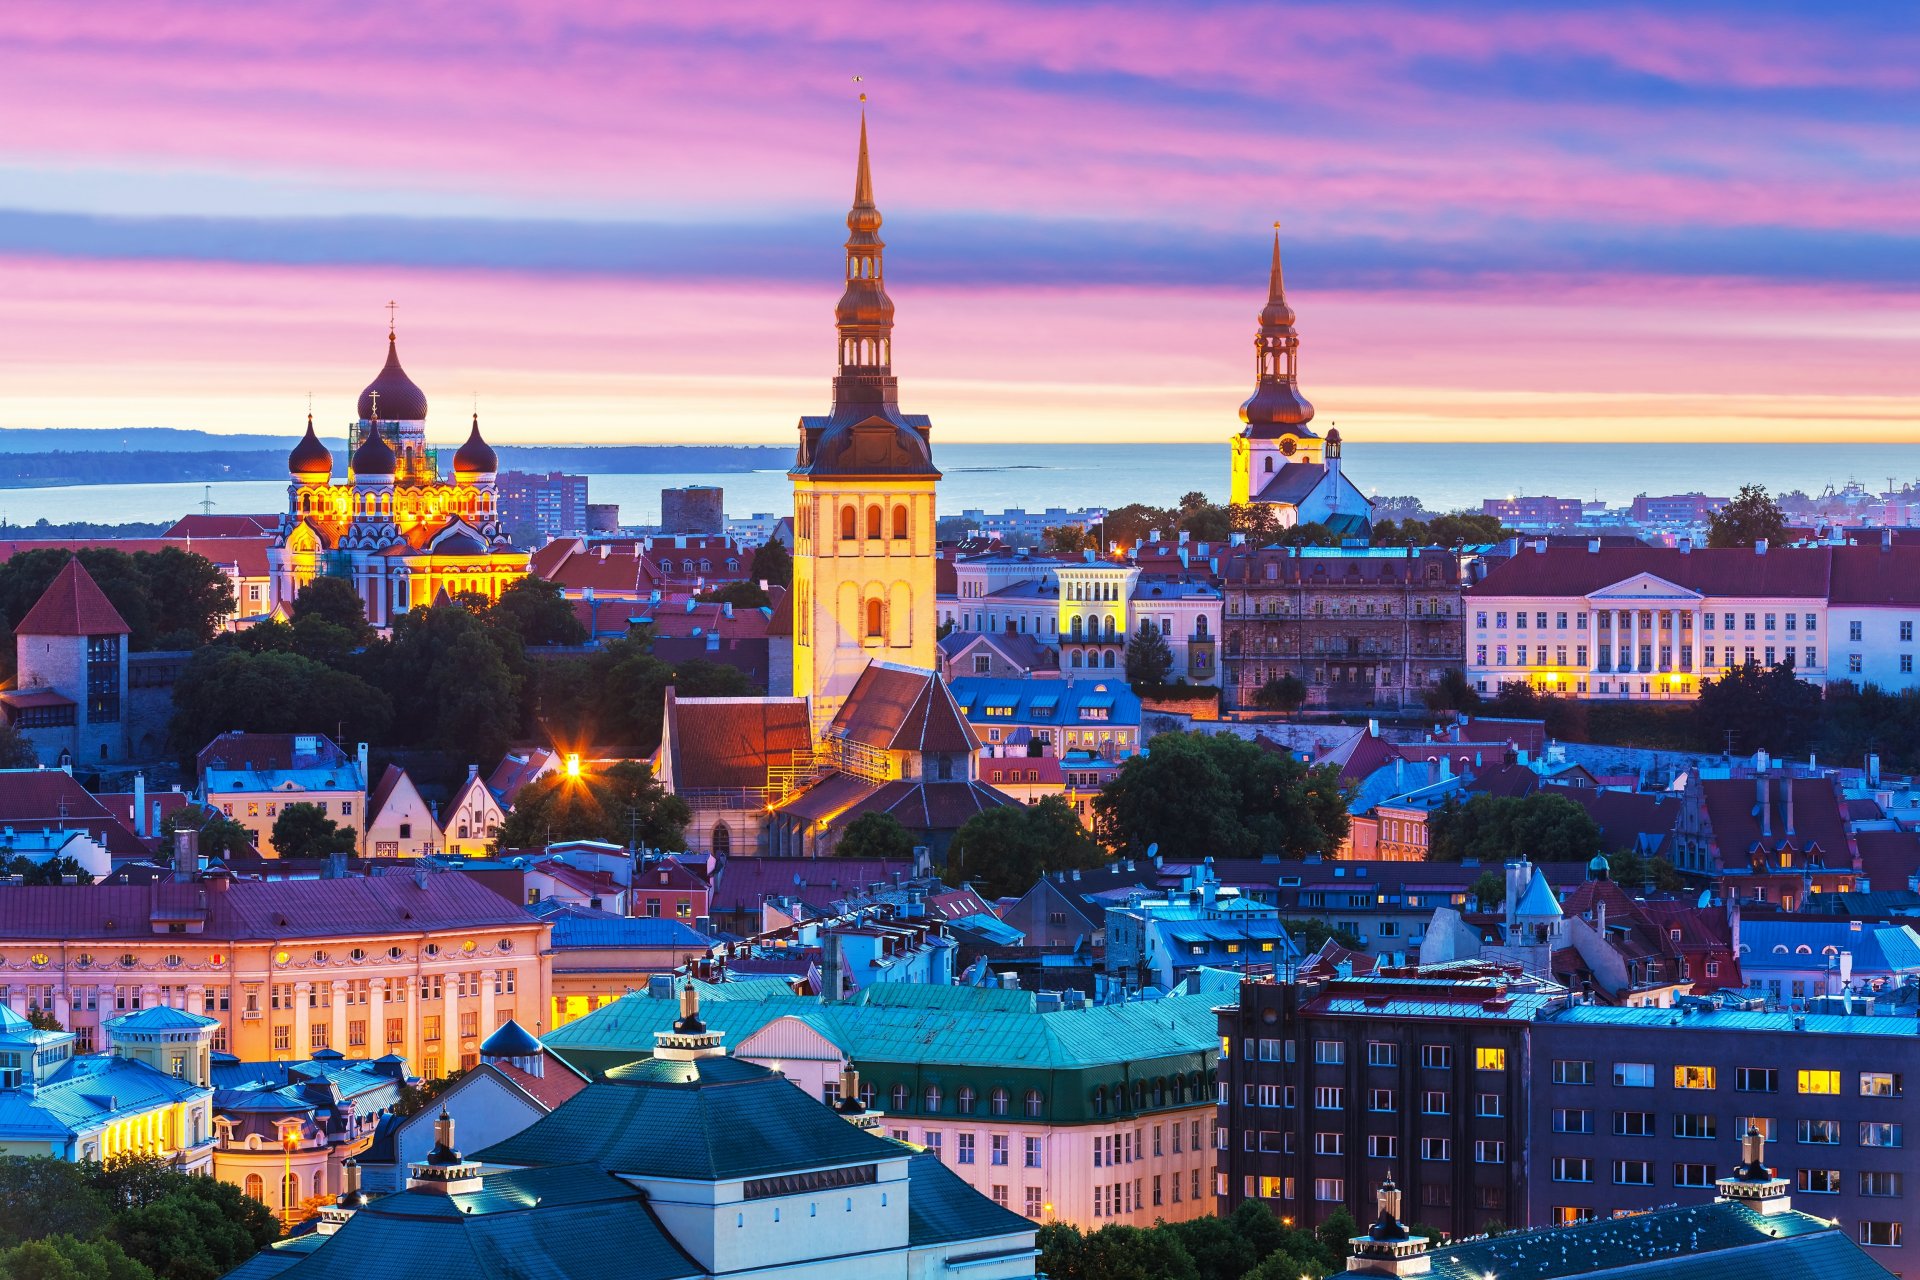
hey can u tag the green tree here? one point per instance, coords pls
(454, 681)
(1452, 692)
(1489, 890)
(619, 803)
(1256, 520)
(1130, 524)
(534, 611)
(1310, 933)
(476, 698)
(741, 595)
(1149, 659)
(772, 564)
(1066, 540)
(1060, 1244)
(305, 831)
(1758, 707)
(874, 835)
(41, 1196)
(16, 749)
(1196, 795)
(1634, 872)
(220, 836)
(1335, 1232)
(187, 596)
(1119, 1252)
(1282, 693)
(226, 688)
(52, 871)
(64, 1257)
(1004, 850)
(1542, 827)
(332, 600)
(40, 1019)
(1753, 516)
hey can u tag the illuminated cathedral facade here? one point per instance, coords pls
(395, 527)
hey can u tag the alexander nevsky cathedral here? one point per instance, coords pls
(394, 526)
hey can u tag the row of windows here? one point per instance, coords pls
(1643, 1075)
(1380, 1053)
(1641, 1124)
(1605, 618)
(1640, 1173)
(1433, 1102)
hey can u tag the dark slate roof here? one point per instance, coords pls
(1293, 483)
(928, 806)
(511, 1040)
(574, 1221)
(708, 1119)
(1720, 1241)
(942, 1209)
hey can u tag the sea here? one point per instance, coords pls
(995, 477)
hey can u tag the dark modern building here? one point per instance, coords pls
(553, 505)
(1331, 1084)
(1636, 1108)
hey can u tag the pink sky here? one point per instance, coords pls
(620, 221)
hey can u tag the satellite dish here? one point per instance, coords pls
(1153, 850)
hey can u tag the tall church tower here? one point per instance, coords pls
(1276, 414)
(863, 485)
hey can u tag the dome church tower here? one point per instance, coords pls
(863, 495)
(1276, 416)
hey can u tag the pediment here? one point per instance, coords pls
(1643, 587)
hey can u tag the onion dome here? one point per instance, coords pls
(375, 456)
(399, 399)
(476, 456)
(310, 460)
(1276, 400)
(1278, 404)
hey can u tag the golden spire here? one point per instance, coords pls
(1276, 286)
(863, 178)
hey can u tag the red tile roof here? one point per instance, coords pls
(904, 709)
(266, 752)
(516, 770)
(1721, 571)
(731, 742)
(558, 1083)
(1870, 575)
(230, 526)
(929, 806)
(42, 799)
(1624, 816)
(72, 605)
(245, 556)
(1889, 858)
(1735, 812)
(383, 791)
(744, 883)
(260, 910)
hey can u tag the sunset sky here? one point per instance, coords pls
(621, 221)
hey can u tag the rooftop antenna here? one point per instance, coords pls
(206, 503)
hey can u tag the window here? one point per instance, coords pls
(965, 1145)
(1822, 1082)
(1879, 1133)
(1820, 1182)
(1330, 1053)
(999, 1102)
(1383, 1146)
(1330, 1189)
(1695, 1078)
(1572, 1169)
(1572, 1071)
(1572, 1120)
(1633, 1124)
(1433, 1103)
(1329, 1144)
(1633, 1075)
(1490, 1059)
(1383, 1053)
(1031, 1158)
(1880, 1235)
(1436, 1056)
(1379, 1099)
(1436, 1148)
(1328, 1097)
(1694, 1175)
(1698, 1125)
(1633, 1173)
(1820, 1133)
(1489, 1105)
(1756, 1079)
(1879, 1084)
(1879, 1184)
(1567, 1215)
(1489, 1151)
(997, 1148)
(1853, 631)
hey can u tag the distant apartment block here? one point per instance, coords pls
(1543, 512)
(554, 504)
(1679, 508)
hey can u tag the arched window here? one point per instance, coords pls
(873, 522)
(1035, 1103)
(256, 1188)
(965, 1099)
(319, 1182)
(899, 524)
(1269, 466)
(1076, 657)
(899, 1098)
(998, 1101)
(875, 621)
(847, 523)
(1076, 627)
(290, 1191)
(930, 1102)
(1200, 625)
(1099, 1102)
(1109, 657)
(722, 843)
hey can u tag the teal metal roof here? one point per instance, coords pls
(1696, 1242)
(87, 1093)
(734, 1009)
(1538, 900)
(921, 995)
(709, 1119)
(942, 1209)
(568, 1223)
(161, 1018)
(1066, 1039)
(1830, 1024)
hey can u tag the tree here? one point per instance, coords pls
(1542, 827)
(1197, 795)
(226, 688)
(333, 600)
(621, 803)
(40, 1019)
(1066, 539)
(1752, 517)
(1758, 707)
(1256, 520)
(1451, 692)
(43, 1196)
(1004, 850)
(1282, 693)
(772, 564)
(534, 611)
(454, 680)
(220, 836)
(64, 1257)
(741, 595)
(1149, 659)
(1311, 933)
(476, 698)
(1633, 872)
(1489, 890)
(187, 596)
(1119, 1252)
(305, 831)
(874, 835)
(52, 871)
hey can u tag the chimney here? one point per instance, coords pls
(186, 853)
(1766, 806)
(1873, 768)
(1593, 546)
(140, 805)
(1600, 917)
(1760, 547)
(1886, 540)
(1686, 546)
(1786, 793)
(366, 779)
(1539, 546)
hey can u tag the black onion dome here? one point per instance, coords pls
(476, 456)
(374, 457)
(400, 399)
(310, 458)
(1278, 404)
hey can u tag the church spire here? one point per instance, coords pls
(1276, 401)
(1277, 314)
(864, 317)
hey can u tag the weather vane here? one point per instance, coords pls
(391, 304)
(863, 92)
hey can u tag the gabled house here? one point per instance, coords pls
(400, 823)
(473, 819)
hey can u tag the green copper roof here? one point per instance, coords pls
(1695, 1242)
(1066, 1039)
(570, 1223)
(624, 1030)
(709, 1119)
(942, 1209)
